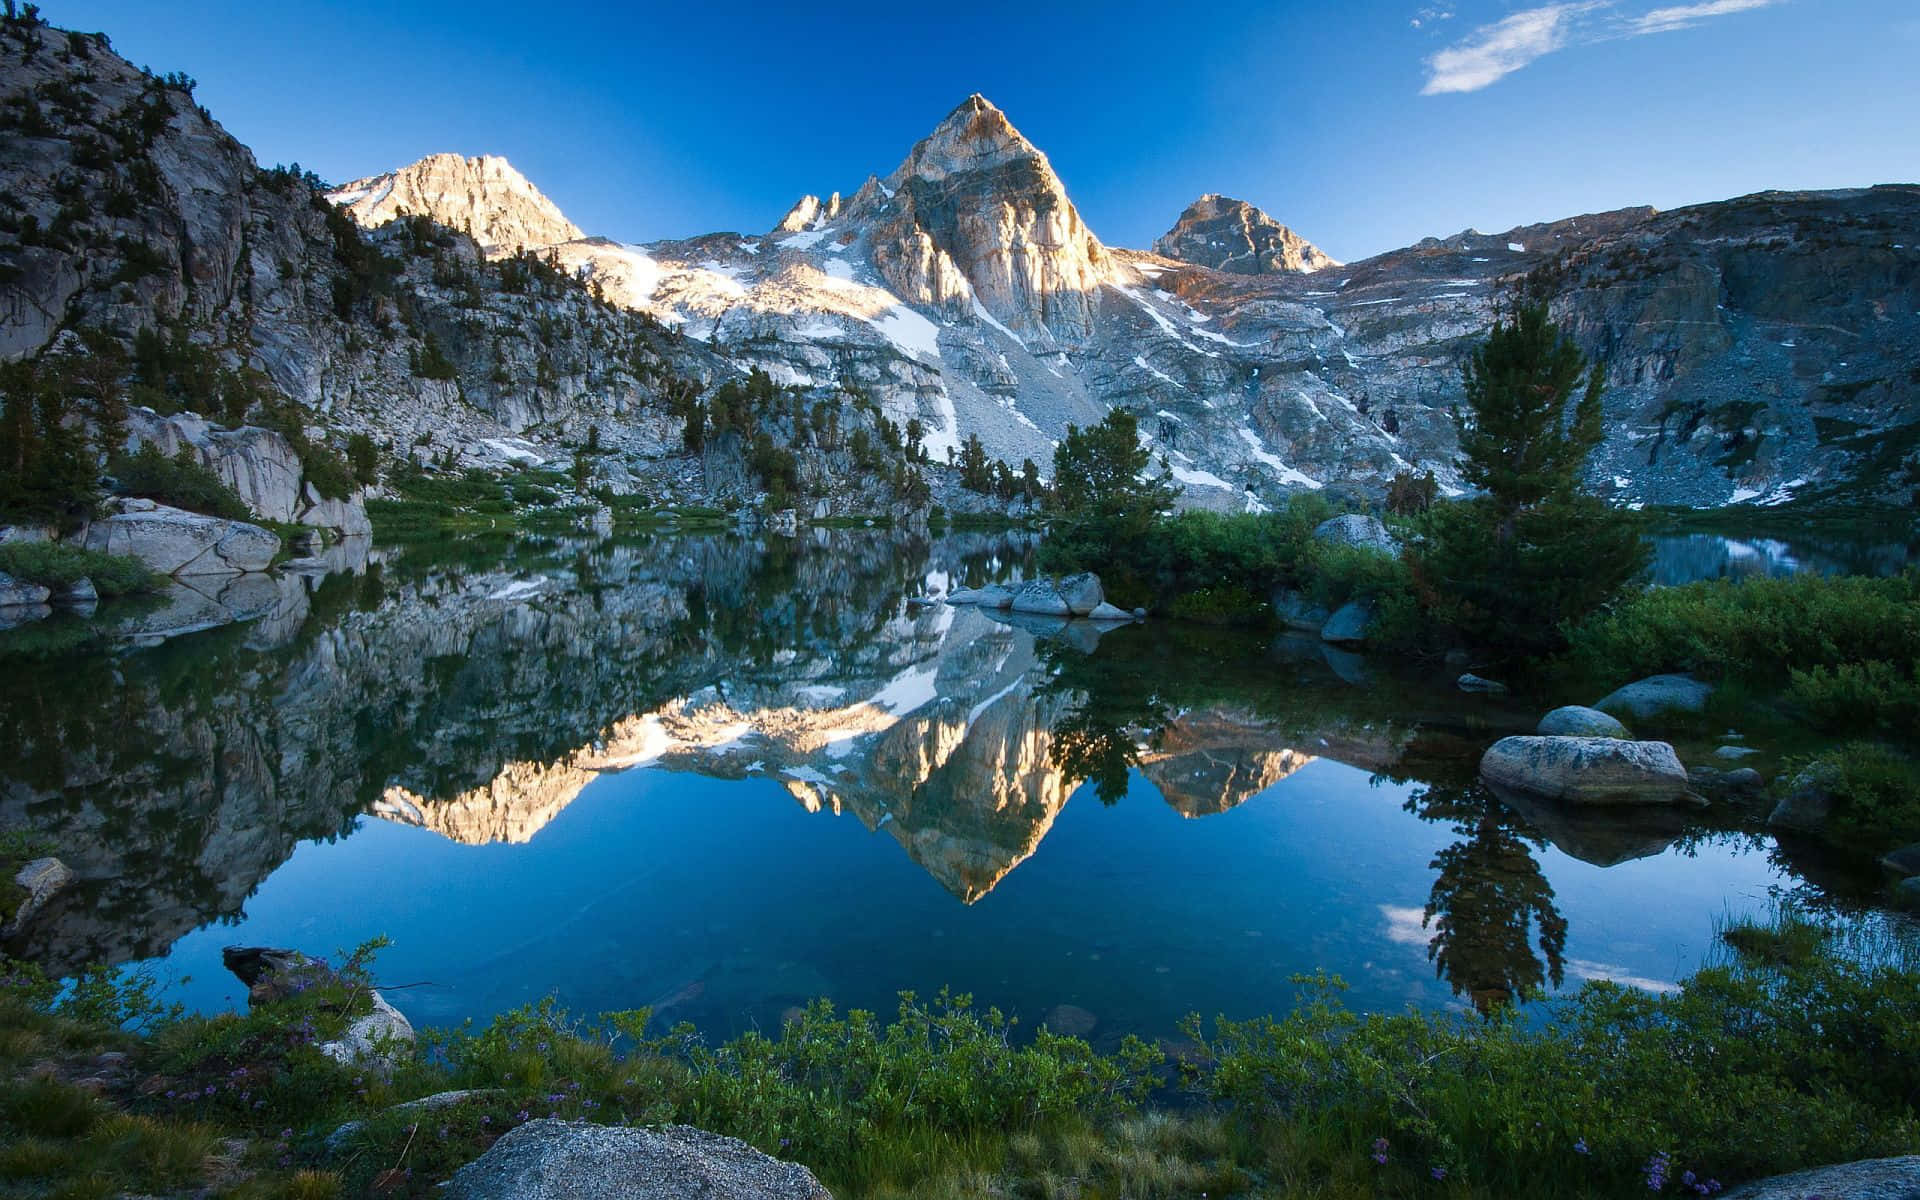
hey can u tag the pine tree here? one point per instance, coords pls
(1519, 441)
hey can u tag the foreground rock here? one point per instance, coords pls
(1873, 1179)
(378, 1036)
(1658, 694)
(1356, 529)
(559, 1160)
(1576, 720)
(1583, 770)
(173, 541)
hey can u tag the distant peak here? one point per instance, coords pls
(484, 196)
(1234, 236)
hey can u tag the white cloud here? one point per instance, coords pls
(1684, 16)
(1493, 52)
(1432, 14)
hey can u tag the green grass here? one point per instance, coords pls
(1791, 1052)
(60, 564)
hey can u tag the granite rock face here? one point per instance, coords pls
(1235, 237)
(175, 542)
(560, 1160)
(483, 197)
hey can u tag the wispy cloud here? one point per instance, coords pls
(1682, 16)
(1493, 52)
(1432, 14)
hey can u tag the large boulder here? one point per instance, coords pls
(1042, 597)
(1808, 804)
(381, 1036)
(1583, 770)
(562, 1160)
(1082, 593)
(175, 542)
(1349, 625)
(1657, 694)
(1871, 1179)
(1575, 720)
(1357, 529)
(18, 593)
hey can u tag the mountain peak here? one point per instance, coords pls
(484, 196)
(975, 136)
(1236, 237)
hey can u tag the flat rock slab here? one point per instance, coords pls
(175, 542)
(1657, 694)
(561, 1160)
(1872, 1179)
(1586, 770)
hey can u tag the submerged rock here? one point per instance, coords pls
(561, 1160)
(1658, 694)
(1070, 1020)
(1583, 770)
(1575, 720)
(1871, 1179)
(1470, 682)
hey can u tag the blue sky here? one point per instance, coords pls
(1365, 124)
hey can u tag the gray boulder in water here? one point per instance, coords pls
(1871, 1179)
(1040, 596)
(1584, 770)
(1658, 694)
(561, 1160)
(1082, 593)
(1349, 624)
(1576, 720)
(18, 593)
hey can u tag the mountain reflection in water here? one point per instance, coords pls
(485, 693)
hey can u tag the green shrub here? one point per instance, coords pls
(61, 564)
(180, 481)
(1846, 647)
(1227, 605)
(1876, 793)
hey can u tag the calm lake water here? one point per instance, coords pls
(721, 776)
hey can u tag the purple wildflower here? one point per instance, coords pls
(1657, 1171)
(1439, 1173)
(1380, 1151)
(1580, 1147)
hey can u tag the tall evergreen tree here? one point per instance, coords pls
(1519, 440)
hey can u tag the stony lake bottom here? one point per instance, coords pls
(721, 776)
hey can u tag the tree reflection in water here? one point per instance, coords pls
(1488, 899)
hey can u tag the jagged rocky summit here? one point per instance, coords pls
(1756, 349)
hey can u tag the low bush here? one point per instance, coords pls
(1875, 790)
(60, 564)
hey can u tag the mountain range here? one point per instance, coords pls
(1757, 349)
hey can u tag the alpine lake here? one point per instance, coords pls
(722, 774)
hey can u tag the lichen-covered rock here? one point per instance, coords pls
(1575, 720)
(561, 1160)
(1583, 770)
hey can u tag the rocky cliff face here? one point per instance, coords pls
(484, 198)
(1235, 237)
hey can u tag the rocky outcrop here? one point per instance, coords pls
(1585, 770)
(1237, 238)
(561, 1160)
(175, 542)
(379, 1036)
(482, 197)
(260, 465)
